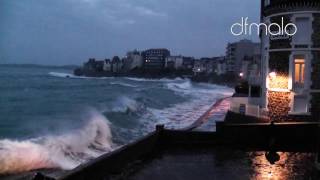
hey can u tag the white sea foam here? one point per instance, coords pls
(183, 114)
(123, 84)
(64, 75)
(154, 80)
(72, 76)
(125, 104)
(200, 90)
(202, 97)
(64, 151)
(180, 87)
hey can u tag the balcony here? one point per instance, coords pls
(278, 6)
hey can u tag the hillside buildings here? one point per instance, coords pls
(208, 65)
(159, 61)
(155, 59)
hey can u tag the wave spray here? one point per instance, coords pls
(64, 151)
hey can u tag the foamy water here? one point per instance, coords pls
(52, 128)
(184, 114)
(65, 151)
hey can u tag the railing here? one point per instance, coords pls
(290, 5)
(246, 105)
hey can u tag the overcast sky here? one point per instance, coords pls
(71, 31)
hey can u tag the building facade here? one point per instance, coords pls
(188, 63)
(291, 64)
(154, 59)
(221, 66)
(133, 60)
(235, 52)
(174, 62)
(250, 67)
(117, 64)
(107, 65)
(90, 65)
(206, 65)
(199, 67)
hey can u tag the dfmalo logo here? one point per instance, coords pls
(274, 29)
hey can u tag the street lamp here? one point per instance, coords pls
(241, 74)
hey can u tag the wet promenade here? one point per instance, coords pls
(224, 163)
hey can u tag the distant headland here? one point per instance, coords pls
(159, 63)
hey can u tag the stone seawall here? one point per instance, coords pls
(279, 105)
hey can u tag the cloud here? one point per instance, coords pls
(89, 2)
(69, 31)
(149, 12)
(116, 12)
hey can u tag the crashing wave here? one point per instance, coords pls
(186, 85)
(64, 151)
(64, 75)
(71, 76)
(124, 104)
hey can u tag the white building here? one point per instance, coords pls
(107, 65)
(135, 59)
(290, 62)
(290, 65)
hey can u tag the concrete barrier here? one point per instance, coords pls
(281, 136)
(116, 161)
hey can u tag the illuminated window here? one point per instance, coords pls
(299, 70)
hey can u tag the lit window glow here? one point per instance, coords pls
(273, 75)
(299, 71)
(277, 82)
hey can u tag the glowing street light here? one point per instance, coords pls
(273, 75)
(241, 74)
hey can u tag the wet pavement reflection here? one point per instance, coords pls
(227, 163)
(282, 165)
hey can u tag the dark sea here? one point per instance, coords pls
(52, 119)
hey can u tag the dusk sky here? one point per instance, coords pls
(60, 32)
